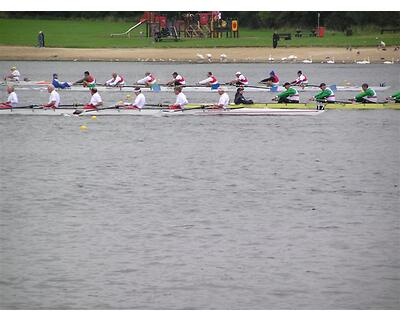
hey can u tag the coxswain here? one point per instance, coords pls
(181, 100)
(301, 79)
(140, 100)
(149, 80)
(13, 75)
(395, 97)
(367, 95)
(223, 102)
(115, 81)
(177, 80)
(289, 96)
(272, 80)
(240, 99)
(54, 99)
(12, 100)
(95, 100)
(240, 79)
(211, 81)
(87, 81)
(326, 95)
(58, 84)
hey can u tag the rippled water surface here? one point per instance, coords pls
(200, 213)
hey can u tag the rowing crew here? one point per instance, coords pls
(291, 95)
(150, 80)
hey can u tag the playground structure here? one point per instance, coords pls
(188, 25)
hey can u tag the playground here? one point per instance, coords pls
(188, 25)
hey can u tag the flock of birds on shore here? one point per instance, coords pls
(291, 58)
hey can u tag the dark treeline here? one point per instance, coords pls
(334, 20)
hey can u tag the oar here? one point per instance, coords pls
(21, 107)
(80, 112)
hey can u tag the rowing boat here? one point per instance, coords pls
(269, 109)
(41, 85)
(193, 111)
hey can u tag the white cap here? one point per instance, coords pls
(237, 73)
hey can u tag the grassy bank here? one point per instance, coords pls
(96, 34)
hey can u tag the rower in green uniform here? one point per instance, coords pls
(291, 95)
(395, 97)
(326, 95)
(368, 95)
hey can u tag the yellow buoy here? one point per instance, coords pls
(83, 127)
(94, 117)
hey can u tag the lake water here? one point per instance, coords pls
(200, 212)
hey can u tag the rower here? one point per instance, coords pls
(368, 95)
(149, 80)
(12, 100)
(395, 97)
(87, 81)
(58, 84)
(223, 102)
(116, 80)
(211, 81)
(181, 100)
(54, 99)
(177, 80)
(272, 80)
(13, 75)
(240, 79)
(301, 79)
(95, 100)
(326, 95)
(240, 99)
(291, 95)
(140, 100)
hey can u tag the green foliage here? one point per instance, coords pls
(96, 34)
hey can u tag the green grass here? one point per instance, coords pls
(96, 34)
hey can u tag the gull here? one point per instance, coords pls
(223, 57)
(283, 59)
(270, 58)
(389, 62)
(364, 61)
(209, 57)
(307, 60)
(200, 56)
(292, 57)
(331, 60)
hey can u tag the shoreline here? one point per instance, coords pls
(199, 55)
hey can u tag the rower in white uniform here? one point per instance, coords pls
(13, 75)
(140, 100)
(181, 100)
(301, 79)
(240, 79)
(177, 80)
(223, 102)
(210, 81)
(116, 80)
(12, 100)
(54, 99)
(149, 80)
(95, 100)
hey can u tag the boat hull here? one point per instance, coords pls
(197, 109)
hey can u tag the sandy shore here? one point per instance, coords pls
(253, 54)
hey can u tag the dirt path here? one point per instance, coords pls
(256, 54)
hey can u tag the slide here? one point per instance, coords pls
(128, 32)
